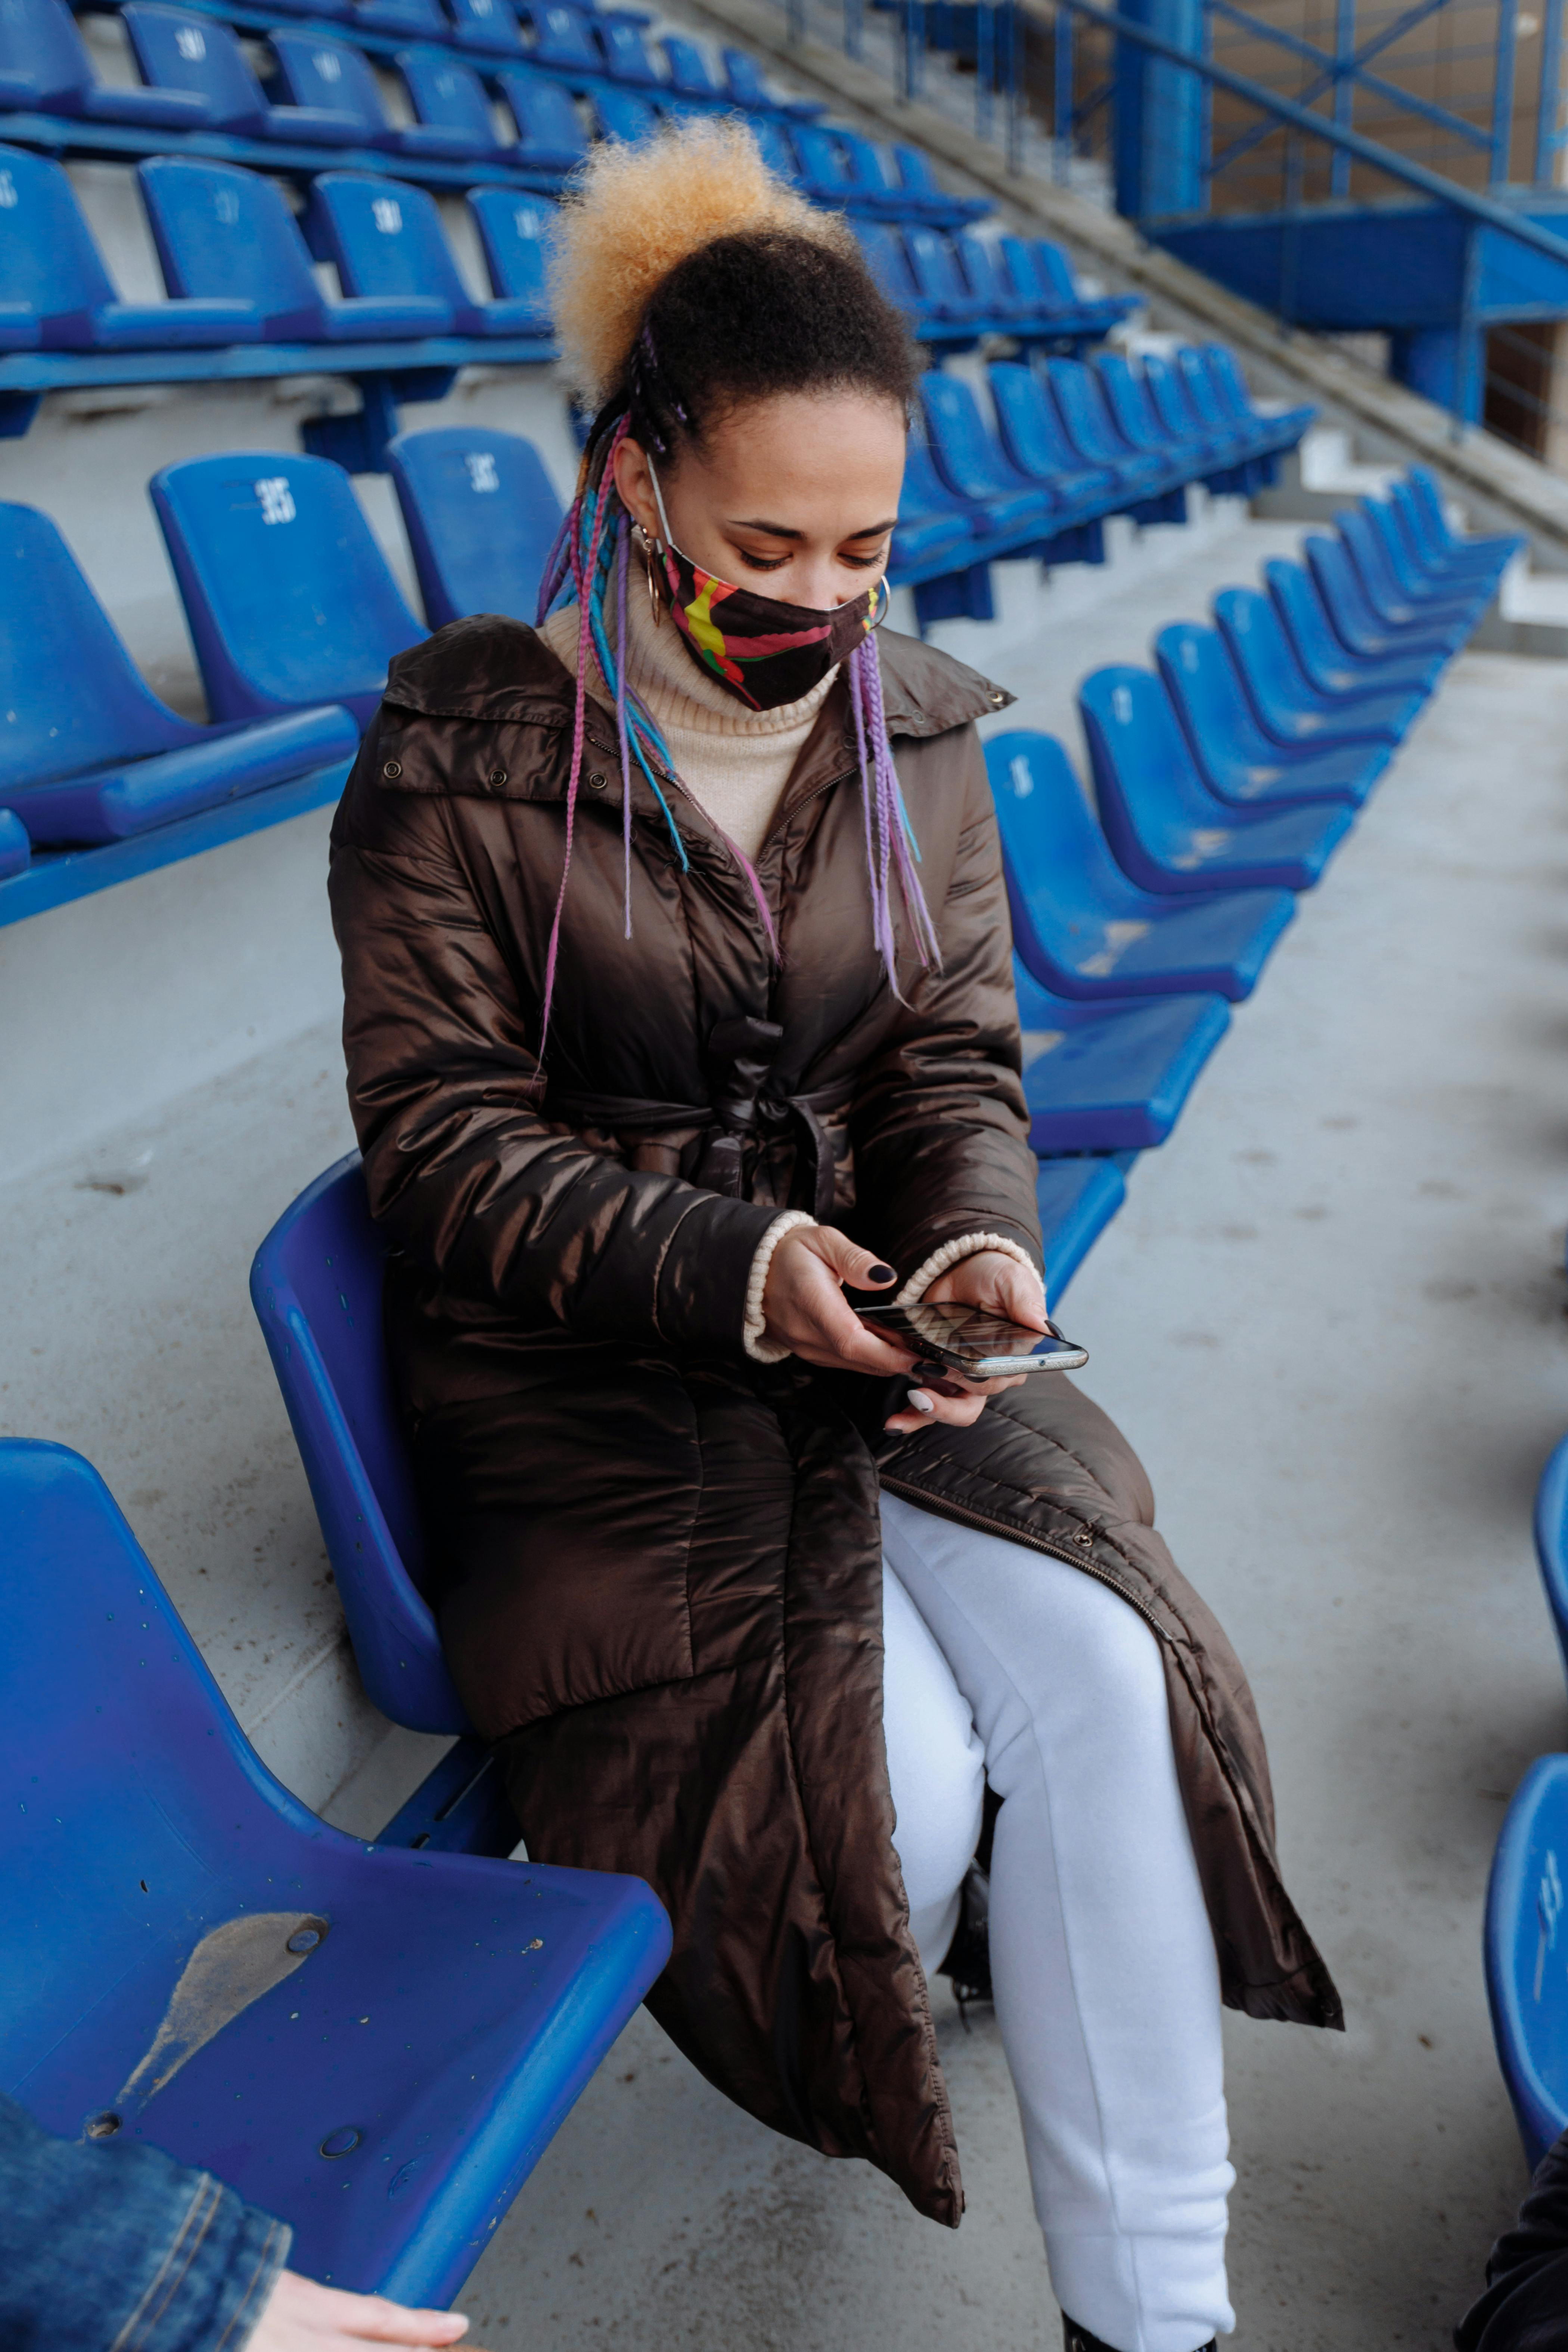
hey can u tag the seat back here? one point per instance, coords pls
(745, 76)
(1193, 368)
(1524, 1939)
(1086, 420)
(1369, 556)
(562, 37)
(220, 230)
(965, 456)
(936, 271)
(983, 274)
(778, 153)
(1229, 383)
(290, 599)
(1417, 524)
(447, 94)
(316, 70)
(513, 231)
(316, 1287)
(40, 41)
(421, 20)
(73, 698)
(1060, 875)
(1294, 593)
(868, 171)
(486, 25)
(625, 53)
(131, 1787)
(821, 159)
(1031, 430)
(549, 131)
(1127, 397)
(623, 115)
(384, 238)
(177, 50)
(915, 173)
(888, 263)
(48, 262)
(1142, 764)
(1023, 273)
(1167, 390)
(481, 515)
(923, 491)
(1211, 702)
(1056, 276)
(1259, 647)
(690, 70)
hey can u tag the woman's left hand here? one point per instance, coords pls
(998, 1285)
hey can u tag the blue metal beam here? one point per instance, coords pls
(1549, 104)
(1344, 91)
(1314, 90)
(1502, 90)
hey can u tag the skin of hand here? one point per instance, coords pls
(1000, 1286)
(303, 2316)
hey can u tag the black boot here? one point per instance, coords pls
(1079, 2339)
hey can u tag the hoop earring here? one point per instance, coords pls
(654, 604)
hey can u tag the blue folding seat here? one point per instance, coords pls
(940, 279)
(374, 2044)
(44, 63)
(1236, 402)
(1087, 422)
(419, 20)
(1079, 927)
(918, 181)
(625, 54)
(743, 79)
(1101, 311)
(1390, 610)
(1429, 496)
(1229, 445)
(1234, 756)
(1141, 425)
(1332, 669)
(873, 175)
(448, 97)
(482, 516)
(1487, 559)
(1075, 1199)
(824, 172)
(931, 523)
(1035, 443)
(1286, 704)
(1257, 434)
(1110, 1078)
(289, 598)
(316, 70)
(973, 466)
(386, 240)
(551, 137)
(690, 72)
(512, 229)
(16, 849)
(778, 153)
(1165, 828)
(622, 114)
(89, 753)
(488, 26)
(1365, 625)
(178, 50)
(1404, 578)
(986, 278)
(1524, 1940)
(56, 292)
(1551, 1527)
(564, 40)
(216, 225)
(883, 248)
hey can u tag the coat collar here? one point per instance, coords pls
(488, 667)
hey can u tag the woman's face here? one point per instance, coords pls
(795, 495)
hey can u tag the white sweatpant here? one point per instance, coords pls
(1005, 1662)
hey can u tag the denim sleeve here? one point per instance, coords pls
(113, 2247)
(1525, 2306)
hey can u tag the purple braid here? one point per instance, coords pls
(624, 538)
(881, 784)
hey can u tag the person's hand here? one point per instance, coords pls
(998, 1285)
(302, 2316)
(804, 1308)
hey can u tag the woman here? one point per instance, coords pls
(660, 1031)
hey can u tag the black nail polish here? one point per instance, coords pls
(881, 1274)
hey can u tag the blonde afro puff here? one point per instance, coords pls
(634, 214)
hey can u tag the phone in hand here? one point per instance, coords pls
(967, 1341)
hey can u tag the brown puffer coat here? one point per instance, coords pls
(658, 1563)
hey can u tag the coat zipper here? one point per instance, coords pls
(964, 1517)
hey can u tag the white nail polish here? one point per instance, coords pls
(920, 1402)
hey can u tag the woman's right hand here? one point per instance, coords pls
(804, 1308)
(299, 2315)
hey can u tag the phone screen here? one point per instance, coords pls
(968, 1333)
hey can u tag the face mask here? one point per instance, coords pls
(764, 652)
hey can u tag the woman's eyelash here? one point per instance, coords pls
(777, 562)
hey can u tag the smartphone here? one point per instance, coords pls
(981, 1347)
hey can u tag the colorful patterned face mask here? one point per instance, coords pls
(764, 652)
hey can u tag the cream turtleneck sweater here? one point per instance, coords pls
(734, 761)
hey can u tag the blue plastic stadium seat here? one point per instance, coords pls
(874, 176)
(1258, 435)
(1236, 402)
(924, 195)
(1331, 668)
(563, 39)
(778, 151)
(550, 136)
(625, 54)
(1110, 1078)
(481, 514)
(179, 50)
(89, 753)
(317, 71)
(372, 2044)
(1461, 591)
(386, 240)
(1079, 927)
(1469, 560)
(1288, 707)
(488, 26)
(1035, 443)
(1165, 828)
(1075, 1199)
(419, 20)
(690, 72)
(972, 465)
(1453, 615)
(1234, 756)
(1551, 1541)
(316, 1287)
(512, 229)
(44, 63)
(449, 98)
(936, 272)
(622, 114)
(743, 79)
(889, 266)
(1091, 432)
(56, 292)
(1526, 1946)
(1428, 495)
(1141, 427)
(289, 598)
(1361, 629)
(219, 227)
(1230, 446)
(930, 525)
(16, 849)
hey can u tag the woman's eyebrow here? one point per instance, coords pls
(782, 531)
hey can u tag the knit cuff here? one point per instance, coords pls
(761, 1351)
(950, 1254)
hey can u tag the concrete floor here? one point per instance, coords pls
(1330, 1315)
